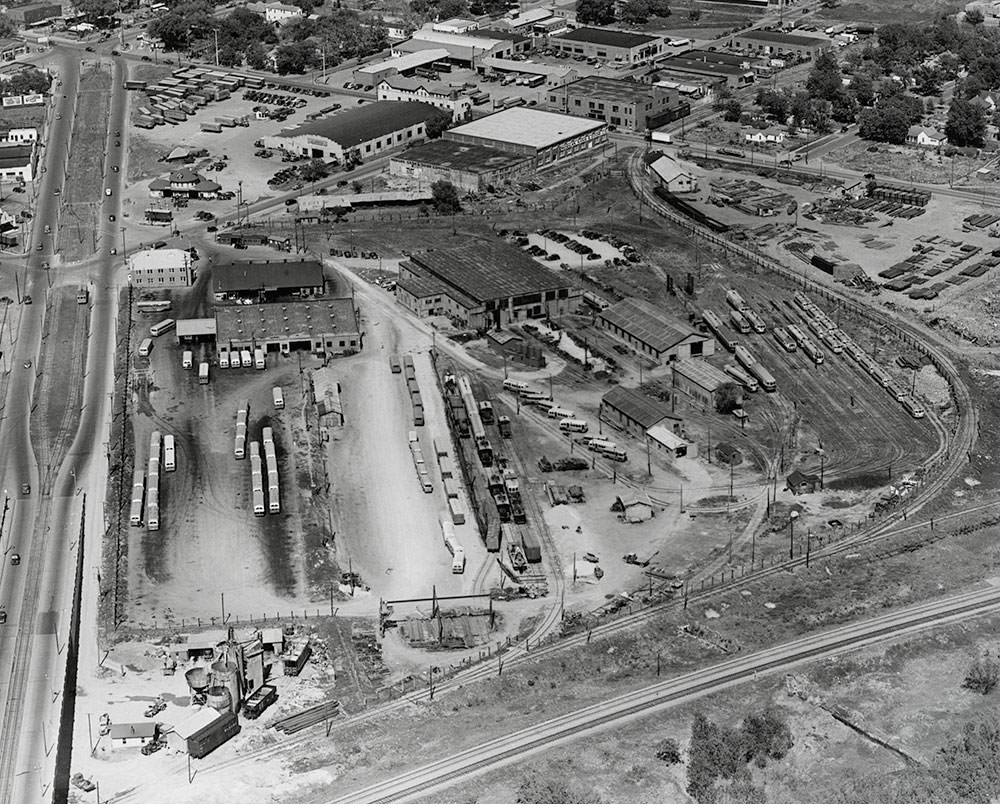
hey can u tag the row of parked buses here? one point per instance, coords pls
(755, 375)
(840, 342)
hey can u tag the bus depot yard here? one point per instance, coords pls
(567, 468)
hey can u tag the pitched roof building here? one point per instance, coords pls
(184, 183)
(631, 410)
(653, 333)
(264, 280)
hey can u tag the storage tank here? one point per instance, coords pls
(197, 680)
(227, 674)
(220, 699)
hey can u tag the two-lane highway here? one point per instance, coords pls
(49, 519)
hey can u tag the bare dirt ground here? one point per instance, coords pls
(82, 193)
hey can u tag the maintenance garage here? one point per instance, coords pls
(652, 333)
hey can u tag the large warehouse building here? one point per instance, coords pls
(357, 134)
(404, 65)
(473, 168)
(609, 45)
(652, 333)
(544, 137)
(776, 43)
(160, 268)
(626, 104)
(325, 327)
(267, 281)
(484, 285)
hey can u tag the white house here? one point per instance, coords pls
(18, 136)
(925, 137)
(767, 135)
(672, 176)
(397, 88)
(280, 12)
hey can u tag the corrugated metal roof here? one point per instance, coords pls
(703, 374)
(636, 406)
(277, 274)
(653, 327)
(665, 436)
(364, 123)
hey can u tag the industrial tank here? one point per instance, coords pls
(197, 680)
(219, 699)
(227, 674)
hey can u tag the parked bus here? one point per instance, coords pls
(535, 81)
(187, 359)
(152, 306)
(573, 426)
(613, 453)
(203, 373)
(560, 413)
(278, 397)
(82, 296)
(169, 455)
(145, 347)
(165, 325)
(224, 358)
(516, 386)
(259, 361)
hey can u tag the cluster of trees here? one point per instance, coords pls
(446, 9)
(636, 12)
(535, 790)
(965, 771)
(719, 756)
(245, 37)
(28, 82)
(444, 198)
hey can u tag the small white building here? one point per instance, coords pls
(397, 88)
(925, 137)
(672, 176)
(160, 268)
(280, 12)
(455, 26)
(132, 734)
(773, 135)
(18, 136)
(664, 440)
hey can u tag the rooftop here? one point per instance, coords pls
(124, 731)
(683, 64)
(285, 320)
(15, 155)
(487, 270)
(653, 327)
(420, 287)
(779, 38)
(196, 721)
(704, 374)
(196, 328)
(407, 61)
(153, 258)
(614, 89)
(366, 122)
(313, 203)
(472, 39)
(635, 405)
(527, 67)
(530, 127)
(715, 57)
(665, 436)
(607, 36)
(472, 158)
(528, 17)
(668, 169)
(250, 275)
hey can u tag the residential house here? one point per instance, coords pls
(801, 483)
(672, 177)
(771, 135)
(925, 137)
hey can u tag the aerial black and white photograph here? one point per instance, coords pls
(500, 402)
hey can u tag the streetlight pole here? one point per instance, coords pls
(216, 32)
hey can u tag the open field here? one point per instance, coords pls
(82, 191)
(885, 11)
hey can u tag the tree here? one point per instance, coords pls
(256, 56)
(534, 790)
(444, 197)
(667, 750)
(824, 79)
(844, 107)
(29, 81)
(636, 12)
(971, 762)
(95, 9)
(974, 17)
(185, 23)
(926, 81)
(883, 125)
(966, 123)
(314, 171)
(452, 8)
(862, 88)
(766, 736)
(294, 57)
(731, 110)
(983, 675)
(7, 26)
(728, 397)
(595, 12)
(437, 123)
(773, 103)
(694, 14)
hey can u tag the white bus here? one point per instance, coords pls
(187, 359)
(145, 347)
(165, 325)
(573, 426)
(279, 397)
(258, 359)
(224, 359)
(246, 359)
(515, 385)
(203, 373)
(600, 444)
(560, 413)
(169, 455)
(614, 453)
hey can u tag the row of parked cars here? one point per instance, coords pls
(260, 96)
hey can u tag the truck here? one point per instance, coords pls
(203, 373)
(296, 656)
(278, 397)
(211, 128)
(145, 347)
(187, 359)
(204, 741)
(259, 361)
(258, 701)
(503, 424)
(246, 359)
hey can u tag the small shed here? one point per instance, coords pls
(273, 639)
(633, 508)
(132, 734)
(728, 453)
(668, 442)
(801, 483)
(177, 737)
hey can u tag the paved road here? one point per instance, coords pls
(37, 592)
(653, 699)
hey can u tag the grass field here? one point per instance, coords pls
(884, 11)
(81, 199)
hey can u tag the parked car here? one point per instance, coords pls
(15, 559)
